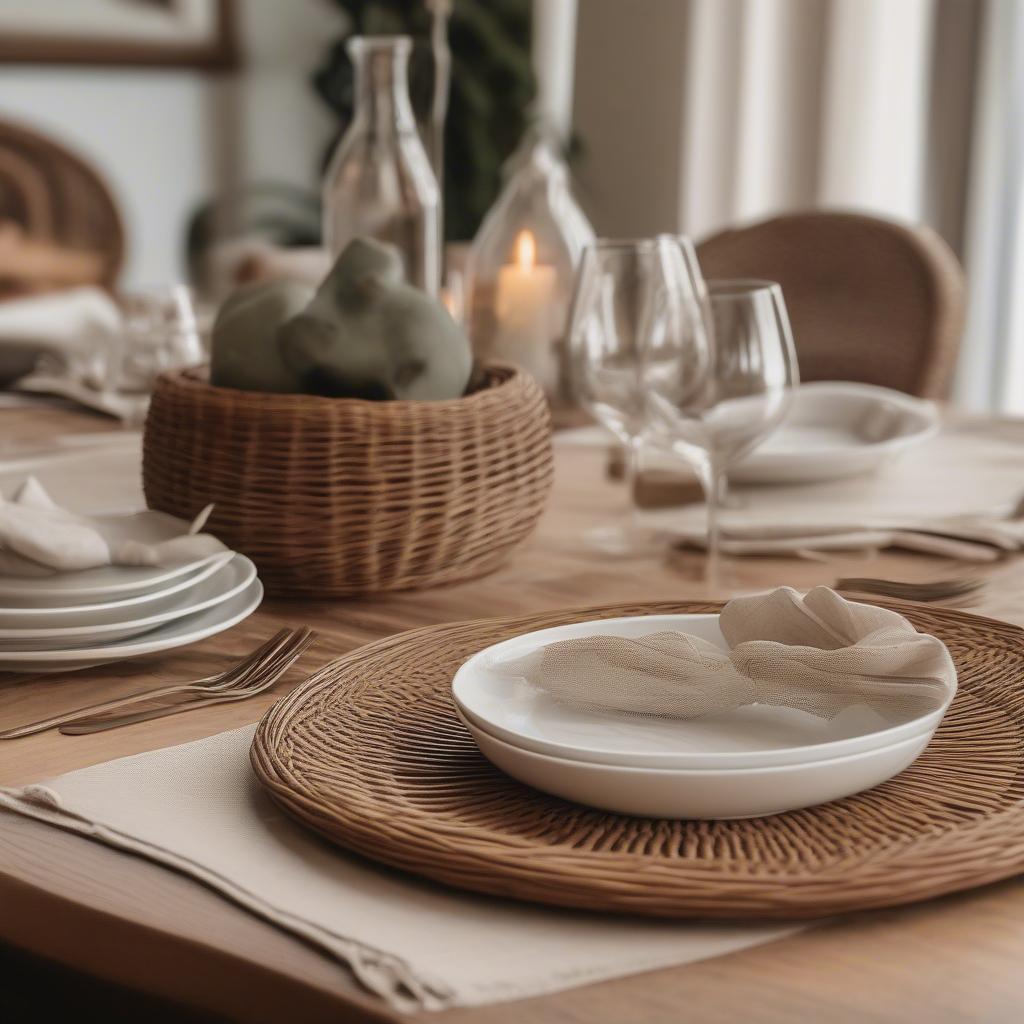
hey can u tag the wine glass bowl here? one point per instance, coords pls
(633, 297)
(715, 418)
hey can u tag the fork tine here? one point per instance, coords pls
(274, 667)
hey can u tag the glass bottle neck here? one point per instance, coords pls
(380, 66)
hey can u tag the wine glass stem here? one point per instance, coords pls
(711, 478)
(723, 490)
(632, 473)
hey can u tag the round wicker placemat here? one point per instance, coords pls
(369, 752)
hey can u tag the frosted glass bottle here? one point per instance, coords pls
(379, 182)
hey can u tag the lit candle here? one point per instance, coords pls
(525, 312)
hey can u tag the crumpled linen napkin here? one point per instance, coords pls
(71, 324)
(818, 653)
(34, 528)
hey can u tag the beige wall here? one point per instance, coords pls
(629, 113)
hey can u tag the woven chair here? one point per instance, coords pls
(870, 300)
(61, 225)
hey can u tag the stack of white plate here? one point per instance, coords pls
(754, 761)
(54, 622)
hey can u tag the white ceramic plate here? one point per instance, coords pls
(108, 582)
(520, 714)
(712, 793)
(229, 580)
(187, 630)
(838, 429)
(110, 611)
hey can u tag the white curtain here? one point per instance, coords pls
(912, 109)
(798, 102)
(991, 371)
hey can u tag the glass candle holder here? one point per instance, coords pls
(522, 265)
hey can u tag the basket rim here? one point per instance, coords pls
(499, 377)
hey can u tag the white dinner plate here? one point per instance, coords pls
(107, 582)
(523, 715)
(229, 580)
(837, 429)
(110, 611)
(709, 793)
(187, 630)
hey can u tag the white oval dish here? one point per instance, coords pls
(187, 630)
(837, 429)
(231, 579)
(109, 611)
(709, 794)
(522, 715)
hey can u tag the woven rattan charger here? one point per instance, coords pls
(369, 752)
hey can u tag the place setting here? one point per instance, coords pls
(487, 549)
(765, 762)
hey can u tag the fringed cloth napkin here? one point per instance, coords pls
(818, 653)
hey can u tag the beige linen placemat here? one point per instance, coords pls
(950, 496)
(198, 808)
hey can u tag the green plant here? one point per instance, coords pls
(492, 85)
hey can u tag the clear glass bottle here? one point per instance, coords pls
(379, 182)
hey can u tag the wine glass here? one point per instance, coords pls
(715, 420)
(629, 294)
(160, 333)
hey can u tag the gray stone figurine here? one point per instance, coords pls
(365, 333)
(369, 334)
(244, 350)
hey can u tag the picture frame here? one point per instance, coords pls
(198, 34)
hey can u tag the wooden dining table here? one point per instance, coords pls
(126, 939)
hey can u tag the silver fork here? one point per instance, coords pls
(934, 590)
(259, 681)
(236, 679)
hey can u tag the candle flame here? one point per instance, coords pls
(526, 250)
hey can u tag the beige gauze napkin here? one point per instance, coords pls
(818, 653)
(36, 533)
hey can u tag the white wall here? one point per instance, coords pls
(144, 131)
(286, 125)
(165, 140)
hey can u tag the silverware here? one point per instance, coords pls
(234, 683)
(934, 590)
(270, 670)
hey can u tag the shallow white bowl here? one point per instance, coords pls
(837, 429)
(513, 710)
(674, 793)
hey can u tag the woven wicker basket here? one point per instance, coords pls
(335, 497)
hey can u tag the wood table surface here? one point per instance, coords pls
(120, 918)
